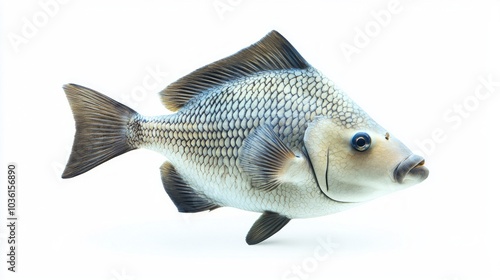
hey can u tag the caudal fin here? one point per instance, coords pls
(102, 126)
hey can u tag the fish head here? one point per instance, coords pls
(359, 163)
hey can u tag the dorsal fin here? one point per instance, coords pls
(273, 52)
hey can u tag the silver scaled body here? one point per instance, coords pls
(203, 140)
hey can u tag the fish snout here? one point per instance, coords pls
(411, 168)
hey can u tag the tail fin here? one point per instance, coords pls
(101, 129)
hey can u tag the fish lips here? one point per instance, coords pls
(412, 168)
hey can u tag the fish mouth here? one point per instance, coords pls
(412, 168)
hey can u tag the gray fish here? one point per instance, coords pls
(261, 130)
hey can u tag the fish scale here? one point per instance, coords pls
(260, 130)
(214, 156)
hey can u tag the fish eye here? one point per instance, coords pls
(361, 141)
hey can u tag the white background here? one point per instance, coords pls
(116, 222)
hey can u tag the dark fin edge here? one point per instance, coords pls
(266, 226)
(184, 197)
(263, 157)
(101, 129)
(273, 52)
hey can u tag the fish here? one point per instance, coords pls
(260, 130)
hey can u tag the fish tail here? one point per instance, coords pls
(102, 129)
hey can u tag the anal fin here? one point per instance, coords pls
(266, 226)
(184, 197)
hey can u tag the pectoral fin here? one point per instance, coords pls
(184, 197)
(266, 226)
(269, 162)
